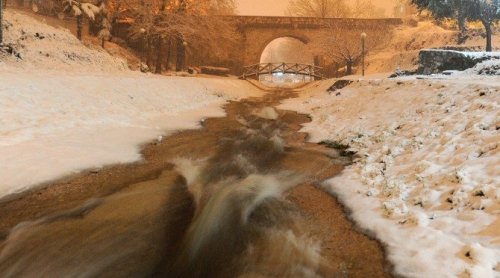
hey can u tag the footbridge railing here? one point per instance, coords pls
(282, 68)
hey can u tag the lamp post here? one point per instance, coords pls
(363, 40)
(143, 42)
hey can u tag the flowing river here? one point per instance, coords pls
(240, 197)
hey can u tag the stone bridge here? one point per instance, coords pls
(257, 31)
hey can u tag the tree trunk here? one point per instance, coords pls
(349, 67)
(181, 55)
(462, 28)
(169, 53)
(94, 27)
(149, 52)
(1, 21)
(180, 48)
(163, 5)
(79, 26)
(487, 27)
(159, 58)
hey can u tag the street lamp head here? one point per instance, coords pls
(184, 43)
(363, 35)
(142, 30)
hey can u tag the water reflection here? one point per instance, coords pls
(279, 79)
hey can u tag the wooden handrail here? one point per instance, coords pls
(286, 68)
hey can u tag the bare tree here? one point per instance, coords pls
(80, 9)
(181, 26)
(365, 9)
(219, 7)
(405, 8)
(343, 47)
(488, 12)
(318, 8)
(334, 8)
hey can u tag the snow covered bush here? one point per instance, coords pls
(80, 9)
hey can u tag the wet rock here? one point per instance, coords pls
(340, 84)
(9, 49)
(400, 72)
(194, 70)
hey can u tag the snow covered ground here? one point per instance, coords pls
(426, 180)
(65, 107)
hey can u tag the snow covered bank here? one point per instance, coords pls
(488, 67)
(427, 179)
(54, 124)
(65, 107)
(41, 46)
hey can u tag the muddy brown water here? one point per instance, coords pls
(147, 219)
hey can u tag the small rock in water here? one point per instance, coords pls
(268, 113)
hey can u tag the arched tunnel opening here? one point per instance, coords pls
(286, 51)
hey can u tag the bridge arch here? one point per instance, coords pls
(301, 38)
(259, 39)
(287, 49)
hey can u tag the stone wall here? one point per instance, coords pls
(438, 60)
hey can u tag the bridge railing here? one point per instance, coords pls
(284, 68)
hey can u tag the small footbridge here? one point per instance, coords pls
(271, 69)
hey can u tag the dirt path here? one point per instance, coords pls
(350, 253)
